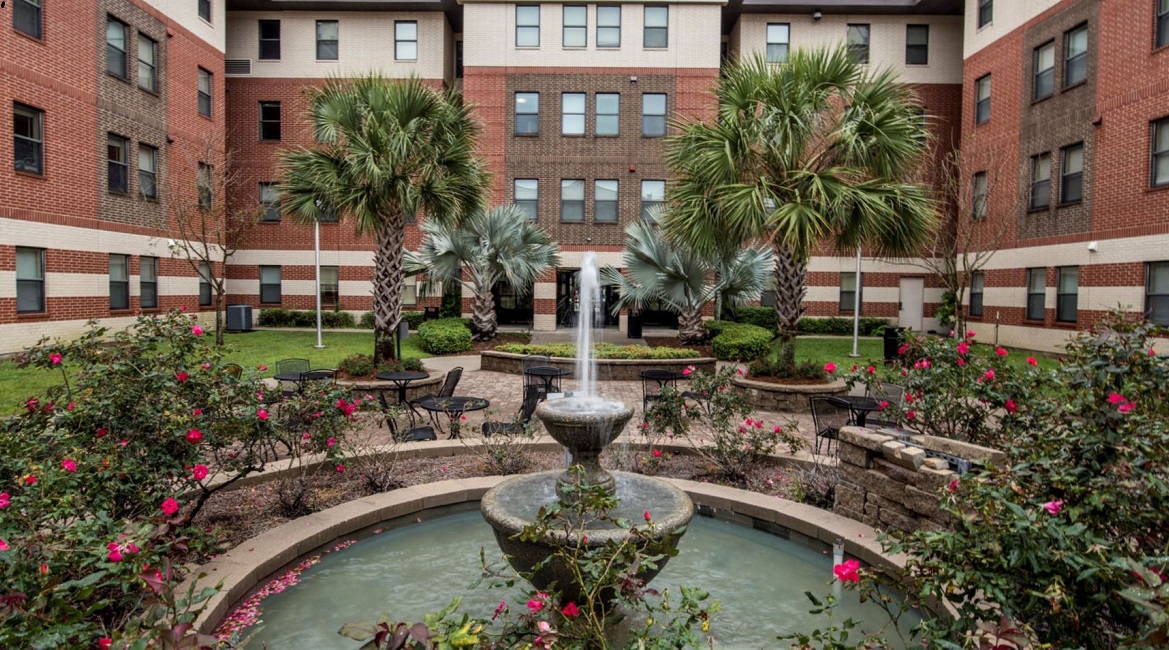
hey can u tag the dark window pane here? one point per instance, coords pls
(982, 100)
(985, 12)
(1162, 23)
(858, 43)
(1075, 67)
(26, 17)
(30, 280)
(269, 39)
(119, 282)
(205, 10)
(1161, 152)
(917, 44)
(117, 153)
(269, 120)
(28, 139)
(116, 49)
(328, 36)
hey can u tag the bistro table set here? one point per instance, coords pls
(831, 412)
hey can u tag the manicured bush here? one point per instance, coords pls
(277, 317)
(445, 336)
(362, 365)
(601, 351)
(837, 326)
(759, 316)
(768, 367)
(413, 318)
(740, 342)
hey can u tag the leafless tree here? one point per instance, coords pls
(208, 222)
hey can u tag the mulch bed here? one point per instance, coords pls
(500, 339)
(241, 514)
(673, 342)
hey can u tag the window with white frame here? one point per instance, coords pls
(653, 115)
(270, 285)
(858, 42)
(330, 285)
(270, 201)
(848, 289)
(147, 63)
(118, 163)
(30, 280)
(978, 195)
(527, 26)
(576, 26)
(917, 44)
(1040, 181)
(609, 26)
(1044, 84)
(653, 194)
(977, 288)
(1157, 293)
(28, 141)
(328, 40)
(1160, 164)
(527, 113)
(117, 43)
(406, 40)
(982, 100)
(572, 113)
(657, 27)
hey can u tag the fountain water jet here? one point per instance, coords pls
(585, 424)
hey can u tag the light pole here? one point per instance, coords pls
(317, 275)
(856, 305)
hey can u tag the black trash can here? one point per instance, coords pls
(894, 338)
(633, 326)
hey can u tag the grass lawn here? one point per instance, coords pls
(248, 350)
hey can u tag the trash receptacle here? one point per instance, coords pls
(894, 337)
(633, 325)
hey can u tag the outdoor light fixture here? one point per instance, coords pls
(816, 15)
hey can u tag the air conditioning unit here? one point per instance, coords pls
(239, 318)
(237, 67)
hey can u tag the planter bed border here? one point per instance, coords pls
(607, 369)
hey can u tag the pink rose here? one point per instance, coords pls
(69, 465)
(30, 480)
(739, 372)
(1011, 406)
(535, 605)
(963, 348)
(170, 506)
(830, 367)
(196, 412)
(101, 431)
(197, 331)
(194, 436)
(262, 414)
(909, 415)
(570, 610)
(1054, 507)
(499, 609)
(687, 370)
(657, 453)
(646, 515)
(1152, 352)
(115, 554)
(903, 349)
(848, 571)
(961, 362)
(55, 358)
(1032, 361)
(330, 442)
(340, 468)
(206, 365)
(1126, 408)
(871, 369)
(5, 500)
(182, 376)
(199, 472)
(989, 374)
(953, 486)
(261, 367)
(104, 643)
(970, 334)
(882, 405)
(4, 545)
(1002, 352)
(1117, 398)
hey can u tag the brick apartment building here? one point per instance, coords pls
(1067, 100)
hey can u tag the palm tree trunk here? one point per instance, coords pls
(691, 329)
(483, 318)
(790, 288)
(387, 287)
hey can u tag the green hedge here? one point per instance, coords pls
(842, 326)
(276, 317)
(444, 336)
(759, 316)
(739, 341)
(414, 318)
(601, 351)
(775, 368)
(362, 365)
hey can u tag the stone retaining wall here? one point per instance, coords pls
(784, 398)
(888, 484)
(607, 369)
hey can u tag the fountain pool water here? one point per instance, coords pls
(760, 580)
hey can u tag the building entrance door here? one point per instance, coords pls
(510, 307)
(911, 303)
(568, 301)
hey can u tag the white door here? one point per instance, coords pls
(911, 303)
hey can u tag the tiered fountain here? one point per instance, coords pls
(585, 424)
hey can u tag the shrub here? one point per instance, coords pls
(277, 317)
(759, 316)
(767, 367)
(836, 326)
(601, 351)
(445, 336)
(362, 365)
(740, 342)
(366, 321)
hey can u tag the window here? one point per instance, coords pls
(205, 278)
(1075, 52)
(1040, 181)
(1036, 293)
(147, 171)
(917, 44)
(270, 121)
(205, 10)
(1160, 152)
(270, 201)
(605, 201)
(147, 63)
(572, 200)
(778, 40)
(858, 43)
(657, 27)
(609, 26)
(848, 290)
(527, 113)
(148, 282)
(653, 115)
(118, 156)
(203, 181)
(330, 284)
(270, 285)
(978, 192)
(116, 63)
(527, 196)
(26, 17)
(269, 40)
(653, 194)
(977, 287)
(406, 40)
(576, 26)
(982, 100)
(28, 144)
(527, 26)
(204, 93)
(1071, 182)
(119, 282)
(1044, 71)
(985, 12)
(328, 35)
(1156, 292)
(572, 114)
(1162, 23)
(608, 114)
(458, 59)
(30, 280)
(1067, 289)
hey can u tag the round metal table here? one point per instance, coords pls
(549, 375)
(454, 407)
(402, 380)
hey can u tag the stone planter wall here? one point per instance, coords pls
(607, 369)
(784, 398)
(888, 484)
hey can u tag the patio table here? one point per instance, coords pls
(454, 407)
(402, 380)
(859, 406)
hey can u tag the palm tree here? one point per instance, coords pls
(387, 150)
(818, 149)
(501, 244)
(683, 278)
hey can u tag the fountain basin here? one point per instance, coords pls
(514, 504)
(585, 426)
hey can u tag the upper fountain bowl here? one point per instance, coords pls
(585, 424)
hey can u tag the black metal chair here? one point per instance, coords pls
(448, 389)
(536, 361)
(652, 384)
(531, 399)
(827, 418)
(292, 366)
(885, 392)
(233, 370)
(413, 434)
